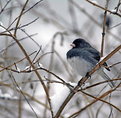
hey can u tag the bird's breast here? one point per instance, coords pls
(80, 65)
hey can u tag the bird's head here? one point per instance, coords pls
(80, 43)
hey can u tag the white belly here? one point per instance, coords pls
(80, 66)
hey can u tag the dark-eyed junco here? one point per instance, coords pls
(83, 57)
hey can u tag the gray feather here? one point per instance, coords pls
(106, 77)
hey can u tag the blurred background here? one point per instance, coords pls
(45, 30)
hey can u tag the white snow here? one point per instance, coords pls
(61, 92)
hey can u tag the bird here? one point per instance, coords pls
(83, 58)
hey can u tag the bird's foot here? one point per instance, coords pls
(88, 75)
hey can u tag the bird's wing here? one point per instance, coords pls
(96, 55)
(85, 54)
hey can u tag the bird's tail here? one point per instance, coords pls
(106, 77)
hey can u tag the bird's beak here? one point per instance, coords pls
(72, 45)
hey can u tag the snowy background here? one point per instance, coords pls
(46, 31)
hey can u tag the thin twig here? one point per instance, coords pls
(73, 16)
(5, 6)
(13, 43)
(94, 101)
(102, 82)
(4, 68)
(31, 38)
(82, 81)
(19, 18)
(24, 13)
(117, 7)
(22, 26)
(114, 64)
(23, 94)
(104, 28)
(20, 107)
(115, 13)
(92, 19)
(110, 28)
(29, 60)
